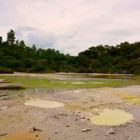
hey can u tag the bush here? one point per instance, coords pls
(5, 70)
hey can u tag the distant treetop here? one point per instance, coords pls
(11, 37)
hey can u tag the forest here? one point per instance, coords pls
(16, 56)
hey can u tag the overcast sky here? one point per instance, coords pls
(71, 26)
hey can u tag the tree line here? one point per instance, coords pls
(16, 56)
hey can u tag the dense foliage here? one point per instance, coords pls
(123, 58)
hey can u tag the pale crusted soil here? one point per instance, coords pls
(17, 121)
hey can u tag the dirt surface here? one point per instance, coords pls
(71, 122)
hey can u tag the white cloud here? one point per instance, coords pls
(71, 26)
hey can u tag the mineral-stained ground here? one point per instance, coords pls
(71, 119)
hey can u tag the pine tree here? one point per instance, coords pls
(11, 37)
(0, 40)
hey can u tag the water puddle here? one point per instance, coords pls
(81, 83)
(78, 83)
(44, 103)
(111, 117)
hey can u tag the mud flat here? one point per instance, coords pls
(22, 136)
(72, 114)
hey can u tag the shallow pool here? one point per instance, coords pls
(112, 117)
(44, 103)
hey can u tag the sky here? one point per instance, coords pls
(71, 26)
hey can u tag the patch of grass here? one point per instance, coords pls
(42, 82)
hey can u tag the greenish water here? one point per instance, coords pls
(44, 82)
(111, 117)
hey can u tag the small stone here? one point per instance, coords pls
(34, 129)
(67, 125)
(110, 131)
(82, 117)
(3, 134)
(77, 113)
(86, 130)
(2, 81)
(56, 132)
(4, 107)
(55, 117)
(76, 119)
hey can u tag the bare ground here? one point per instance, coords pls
(20, 122)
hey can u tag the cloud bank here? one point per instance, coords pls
(71, 26)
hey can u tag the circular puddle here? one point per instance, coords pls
(111, 117)
(44, 103)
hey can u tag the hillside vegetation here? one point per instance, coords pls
(17, 56)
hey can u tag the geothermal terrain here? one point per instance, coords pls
(69, 107)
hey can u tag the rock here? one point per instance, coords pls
(86, 130)
(3, 134)
(34, 129)
(77, 113)
(76, 119)
(67, 125)
(55, 117)
(82, 117)
(110, 131)
(11, 86)
(3, 108)
(56, 132)
(2, 81)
